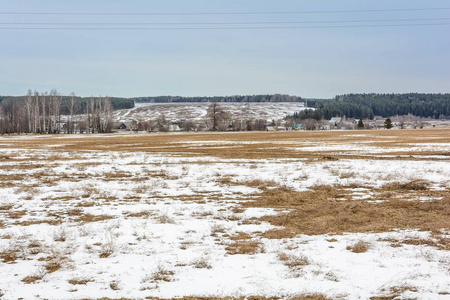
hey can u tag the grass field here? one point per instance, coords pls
(301, 215)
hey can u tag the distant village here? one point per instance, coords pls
(335, 123)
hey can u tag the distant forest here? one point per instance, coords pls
(253, 98)
(385, 105)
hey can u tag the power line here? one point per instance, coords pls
(222, 13)
(220, 28)
(217, 23)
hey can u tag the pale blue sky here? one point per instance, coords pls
(307, 62)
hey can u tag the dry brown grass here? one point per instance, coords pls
(315, 296)
(395, 291)
(87, 218)
(244, 244)
(319, 212)
(412, 185)
(293, 261)
(162, 274)
(359, 247)
(6, 206)
(141, 214)
(117, 175)
(262, 146)
(16, 214)
(9, 256)
(283, 233)
(31, 279)
(38, 221)
(440, 242)
(79, 281)
(86, 204)
(261, 184)
(53, 266)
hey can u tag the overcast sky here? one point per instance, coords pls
(307, 62)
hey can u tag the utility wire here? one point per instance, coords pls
(221, 13)
(215, 23)
(220, 28)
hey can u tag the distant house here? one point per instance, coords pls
(271, 128)
(174, 128)
(157, 127)
(298, 126)
(126, 125)
(335, 121)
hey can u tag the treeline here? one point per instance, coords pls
(385, 105)
(42, 113)
(117, 103)
(253, 98)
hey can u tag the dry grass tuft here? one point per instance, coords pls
(107, 248)
(441, 243)
(202, 263)
(165, 219)
(31, 279)
(315, 296)
(114, 285)
(80, 281)
(260, 184)
(243, 244)
(87, 218)
(293, 262)
(86, 204)
(9, 256)
(279, 234)
(53, 266)
(141, 214)
(395, 292)
(412, 185)
(16, 214)
(216, 229)
(6, 206)
(162, 274)
(359, 247)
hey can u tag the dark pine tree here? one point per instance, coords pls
(388, 123)
(360, 124)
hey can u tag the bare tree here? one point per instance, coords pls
(35, 113)
(3, 123)
(90, 107)
(99, 113)
(43, 113)
(162, 123)
(310, 124)
(188, 125)
(213, 115)
(54, 111)
(73, 107)
(28, 105)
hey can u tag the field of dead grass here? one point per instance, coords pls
(72, 205)
(248, 145)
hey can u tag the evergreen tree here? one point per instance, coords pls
(388, 123)
(360, 124)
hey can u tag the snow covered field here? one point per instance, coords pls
(218, 215)
(197, 111)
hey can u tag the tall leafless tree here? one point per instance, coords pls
(73, 108)
(213, 116)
